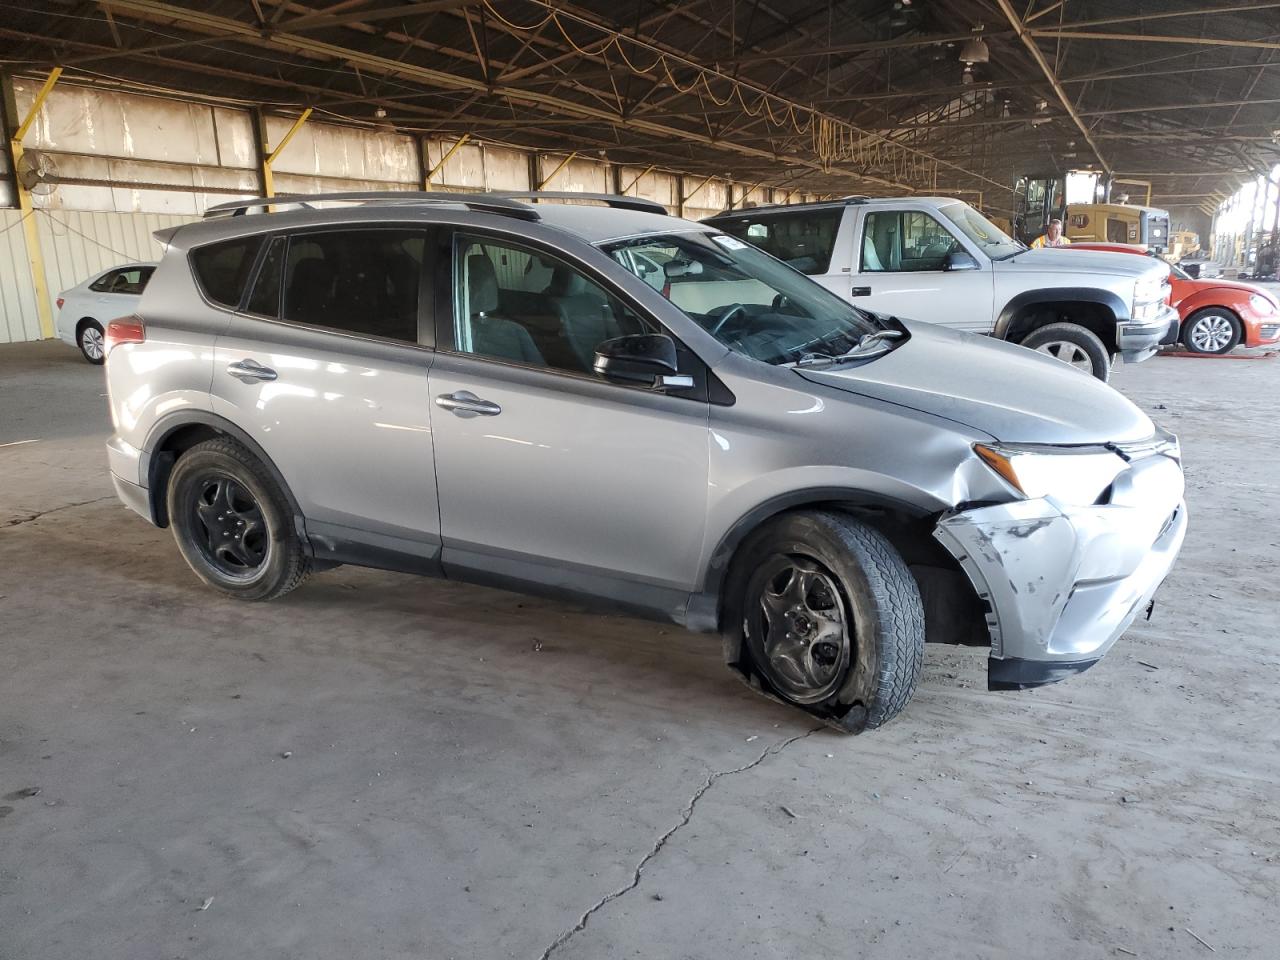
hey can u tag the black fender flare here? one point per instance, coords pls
(705, 607)
(159, 462)
(1106, 298)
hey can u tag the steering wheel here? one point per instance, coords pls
(734, 311)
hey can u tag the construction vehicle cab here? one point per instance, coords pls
(1082, 200)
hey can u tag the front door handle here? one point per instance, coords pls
(860, 292)
(464, 403)
(250, 371)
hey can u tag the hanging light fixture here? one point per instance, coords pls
(975, 48)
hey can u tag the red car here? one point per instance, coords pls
(1217, 315)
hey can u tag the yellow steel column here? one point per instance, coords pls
(266, 155)
(269, 155)
(686, 197)
(556, 172)
(637, 178)
(458, 144)
(35, 256)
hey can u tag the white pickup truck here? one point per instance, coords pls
(940, 260)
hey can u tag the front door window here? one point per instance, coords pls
(904, 241)
(517, 304)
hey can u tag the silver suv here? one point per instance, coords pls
(600, 401)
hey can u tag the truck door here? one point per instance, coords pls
(905, 267)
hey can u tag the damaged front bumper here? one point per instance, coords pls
(1062, 583)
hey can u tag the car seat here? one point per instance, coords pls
(493, 336)
(586, 319)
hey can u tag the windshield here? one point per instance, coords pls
(743, 297)
(995, 243)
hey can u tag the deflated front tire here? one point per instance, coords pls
(826, 616)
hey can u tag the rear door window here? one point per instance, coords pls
(223, 268)
(802, 238)
(364, 282)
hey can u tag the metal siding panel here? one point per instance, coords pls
(17, 292)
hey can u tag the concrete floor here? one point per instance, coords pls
(380, 766)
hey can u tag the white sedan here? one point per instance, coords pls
(85, 310)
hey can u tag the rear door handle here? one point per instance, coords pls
(250, 371)
(860, 292)
(464, 403)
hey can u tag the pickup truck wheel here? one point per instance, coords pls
(1212, 330)
(830, 618)
(232, 525)
(1074, 345)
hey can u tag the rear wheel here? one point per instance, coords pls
(829, 618)
(1212, 330)
(90, 341)
(233, 524)
(1076, 346)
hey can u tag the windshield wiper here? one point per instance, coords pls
(863, 348)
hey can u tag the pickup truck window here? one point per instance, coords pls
(803, 239)
(902, 241)
(744, 298)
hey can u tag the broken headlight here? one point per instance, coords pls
(1077, 476)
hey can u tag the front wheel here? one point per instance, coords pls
(1211, 331)
(233, 524)
(829, 618)
(1074, 345)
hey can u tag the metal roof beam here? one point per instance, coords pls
(1028, 41)
(1148, 38)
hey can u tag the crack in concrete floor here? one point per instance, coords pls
(17, 521)
(685, 817)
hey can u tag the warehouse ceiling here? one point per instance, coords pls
(867, 96)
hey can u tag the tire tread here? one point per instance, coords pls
(900, 610)
(298, 565)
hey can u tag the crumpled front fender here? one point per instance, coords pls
(1062, 583)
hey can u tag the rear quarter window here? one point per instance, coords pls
(222, 269)
(802, 238)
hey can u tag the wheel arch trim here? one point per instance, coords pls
(1032, 298)
(157, 462)
(705, 607)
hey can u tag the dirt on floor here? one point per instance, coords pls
(382, 766)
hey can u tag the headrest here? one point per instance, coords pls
(566, 283)
(482, 284)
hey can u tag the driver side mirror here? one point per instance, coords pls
(642, 359)
(959, 260)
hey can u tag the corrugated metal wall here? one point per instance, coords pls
(76, 245)
(18, 320)
(193, 155)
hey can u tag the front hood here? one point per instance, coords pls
(1008, 392)
(1066, 260)
(1213, 283)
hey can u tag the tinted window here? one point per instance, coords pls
(802, 238)
(356, 281)
(265, 299)
(899, 241)
(129, 280)
(223, 268)
(517, 304)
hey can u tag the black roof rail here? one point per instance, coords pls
(480, 202)
(772, 207)
(615, 200)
